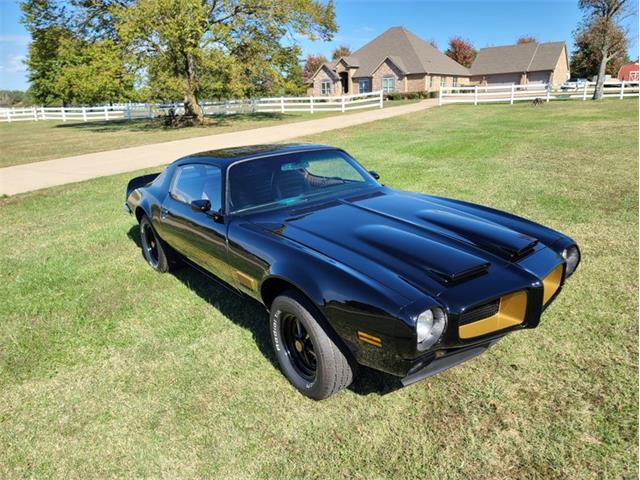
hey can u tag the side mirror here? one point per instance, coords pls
(374, 174)
(201, 205)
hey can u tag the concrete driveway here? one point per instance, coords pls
(37, 175)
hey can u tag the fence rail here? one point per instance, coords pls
(514, 93)
(130, 111)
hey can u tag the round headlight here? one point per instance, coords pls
(571, 255)
(429, 327)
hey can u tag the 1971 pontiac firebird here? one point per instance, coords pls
(351, 271)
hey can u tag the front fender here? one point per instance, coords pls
(351, 303)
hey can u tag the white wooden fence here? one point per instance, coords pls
(132, 111)
(546, 92)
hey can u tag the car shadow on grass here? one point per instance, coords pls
(247, 313)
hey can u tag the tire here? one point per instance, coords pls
(154, 250)
(309, 359)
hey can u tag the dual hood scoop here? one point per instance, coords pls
(447, 264)
(499, 240)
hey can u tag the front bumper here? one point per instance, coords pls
(433, 366)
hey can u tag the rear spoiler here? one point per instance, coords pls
(138, 182)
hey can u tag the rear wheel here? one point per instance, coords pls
(153, 250)
(309, 359)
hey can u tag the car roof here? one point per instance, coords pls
(227, 156)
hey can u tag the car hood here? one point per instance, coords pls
(429, 242)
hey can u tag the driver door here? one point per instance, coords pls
(194, 233)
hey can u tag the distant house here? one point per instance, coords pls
(629, 73)
(395, 61)
(521, 64)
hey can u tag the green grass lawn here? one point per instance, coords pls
(108, 369)
(26, 142)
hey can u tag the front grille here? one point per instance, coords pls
(478, 313)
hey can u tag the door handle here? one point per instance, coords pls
(164, 212)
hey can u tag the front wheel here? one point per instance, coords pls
(309, 359)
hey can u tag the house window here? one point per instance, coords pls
(325, 87)
(432, 82)
(364, 86)
(443, 82)
(388, 84)
(455, 81)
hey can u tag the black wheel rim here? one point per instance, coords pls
(150, 245)
(299, 347)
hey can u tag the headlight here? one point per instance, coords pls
(571, 255)
(429, 327)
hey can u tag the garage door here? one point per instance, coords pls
(504, 79)
(538, 77)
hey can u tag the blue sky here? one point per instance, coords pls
(485, 23)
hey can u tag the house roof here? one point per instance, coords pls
(329, 69)
(407, 51)
(527, 57)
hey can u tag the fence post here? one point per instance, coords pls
(622, 91)
(475, 95)
(584, 91)
(35, 113)
(106, 112)
(440, 96)
(226, 107)
(548, 92)
(8, 115)
(281, 104)
(311, 105)
(64, 114)
(128, 111)
(513, 91)
(42, 114)
(342, 104)
(381, 100)
(84, 113)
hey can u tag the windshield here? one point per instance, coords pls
(293, 178)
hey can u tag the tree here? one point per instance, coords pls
(341, 51)
(311, 65)
(604, 33)
(169, 48)
(585, 61)
(527, 39)
(461, 51)
(64, 67)
(194, 36)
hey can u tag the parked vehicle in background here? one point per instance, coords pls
(574, 84)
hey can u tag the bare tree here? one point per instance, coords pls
(526, 39)
(603, 18)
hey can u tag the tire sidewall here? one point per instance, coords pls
(162, 265)
(289, 305)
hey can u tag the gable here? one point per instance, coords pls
(407, 51)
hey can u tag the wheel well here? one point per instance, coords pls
(273, 287)
(139, 213)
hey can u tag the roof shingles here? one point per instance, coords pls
(408, 51)
(527, 57)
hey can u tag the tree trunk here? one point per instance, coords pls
(597, 94)
(191, 106)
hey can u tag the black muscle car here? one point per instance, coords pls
(352, 271)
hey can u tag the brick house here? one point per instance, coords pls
(395, 61)
(521, 64)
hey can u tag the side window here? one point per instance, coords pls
(198, 182)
